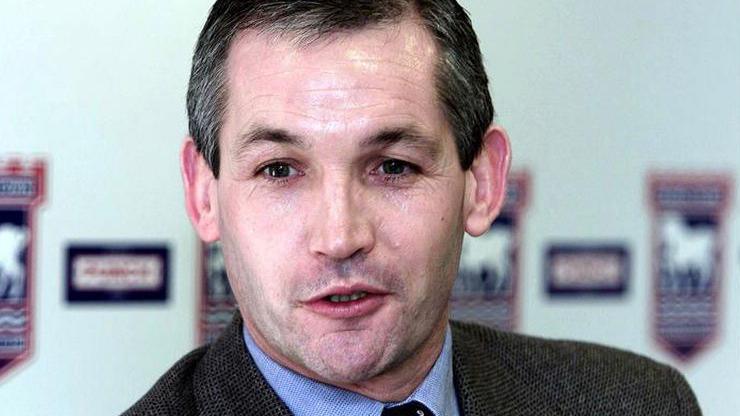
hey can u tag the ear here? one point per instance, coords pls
(485, 186)
(201, 198)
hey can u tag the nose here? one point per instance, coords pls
(343, 226)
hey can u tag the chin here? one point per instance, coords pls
(350, 360)
(345, 375)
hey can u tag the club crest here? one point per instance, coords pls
(217, 303)
(21, 192)
(688, 218)
(486, 287)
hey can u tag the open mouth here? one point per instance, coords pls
(348, 303)
(346, 298)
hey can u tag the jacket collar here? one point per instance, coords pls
(486, 382)
(227, 382)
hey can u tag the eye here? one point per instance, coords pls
(394, 167)
(279, 170)
(395, 172)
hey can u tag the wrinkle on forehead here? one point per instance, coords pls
(345, 85)
(417, 48)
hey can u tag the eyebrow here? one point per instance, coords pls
(262, 134)
(409, 136)
(406, 136)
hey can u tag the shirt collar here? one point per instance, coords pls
(305, 396)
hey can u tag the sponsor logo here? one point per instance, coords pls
(21, 192)
(117, 272)
(587, 269)
(687, 252)
(486, 287)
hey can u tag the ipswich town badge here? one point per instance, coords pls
(21, 192)
(486, 287)
(217, 303)
(688, 217)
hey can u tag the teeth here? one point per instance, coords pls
(347, 298)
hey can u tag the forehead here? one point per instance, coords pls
(344, 81)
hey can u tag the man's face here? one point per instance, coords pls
(340, 200)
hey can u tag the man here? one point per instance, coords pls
(339, 150)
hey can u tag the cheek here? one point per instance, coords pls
(427, 232)
(264, 222)
(263, 233)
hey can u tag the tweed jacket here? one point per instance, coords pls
(495, 373)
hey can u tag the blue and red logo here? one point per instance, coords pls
(217, 303)
(688, 252)
(486, 287)
(21, 192)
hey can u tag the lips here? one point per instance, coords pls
(346, 302)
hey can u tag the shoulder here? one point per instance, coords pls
(218, 379)
(529, 350)
(173, 393)
(574, 374)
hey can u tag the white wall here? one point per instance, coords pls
(594, 94)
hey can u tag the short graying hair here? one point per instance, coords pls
(461, 81)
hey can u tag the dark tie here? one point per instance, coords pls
(409, 409)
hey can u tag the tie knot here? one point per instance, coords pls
(409, 409)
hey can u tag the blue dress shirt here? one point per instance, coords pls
(307, 397)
